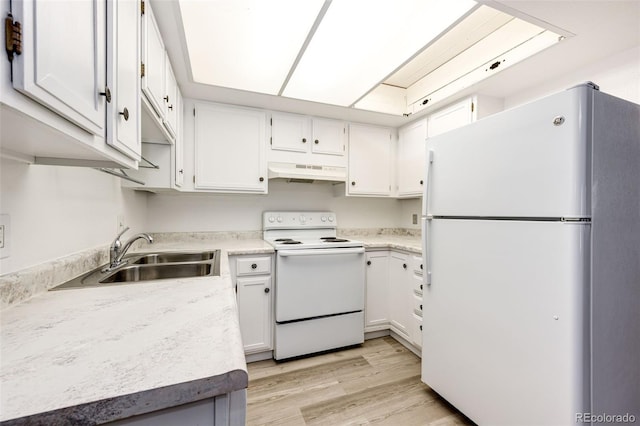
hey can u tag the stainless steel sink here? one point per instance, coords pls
(153, 258)
(159, 272)
(149, 267)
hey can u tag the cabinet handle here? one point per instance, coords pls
(125, 114)
(353, 183)
(170, 107)
(304, 140)
(316, 141)
(420, 286)
(254, 266)
(421, 266)
(420, 307)
(404, 265)
(106, 94)
(421, 182)
(267, 290)
(420, 327)
(166, 98)
(368, 262)
(181, 171)
(261, 179)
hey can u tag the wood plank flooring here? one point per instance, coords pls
(376, 383)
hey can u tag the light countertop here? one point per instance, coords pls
(105, 353)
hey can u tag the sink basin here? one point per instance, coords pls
(153, 258)
(159, 272)
(150, 267)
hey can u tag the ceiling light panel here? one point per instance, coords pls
(246, 44)
(361, 42)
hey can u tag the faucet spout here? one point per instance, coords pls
(117, 250)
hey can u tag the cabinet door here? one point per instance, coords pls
(179, 145)
(411, 158)
(457, 115)
(369, 160)
(170, 99)
(153, 55)
(400, 298)
(123, 59)
(229, 148)
(377, 291)
(63, 60)
(254, 308)
(328, 137)
(290, 132)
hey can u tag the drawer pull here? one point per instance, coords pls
(267, 290)
(368, 262)
(254, 265)
(404, 265)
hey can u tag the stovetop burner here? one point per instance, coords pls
(280, 240)
(290, 241)
(334, 240)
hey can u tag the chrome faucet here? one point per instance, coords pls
(117, 250)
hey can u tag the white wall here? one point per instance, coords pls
(617, 75)
(219, 212)
(56, 211)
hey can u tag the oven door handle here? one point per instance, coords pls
(315, 252)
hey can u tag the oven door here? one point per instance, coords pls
(312, 283)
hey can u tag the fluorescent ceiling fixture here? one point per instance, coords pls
(483, 44)
(246, 44)
(361, 42)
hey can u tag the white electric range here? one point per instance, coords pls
(319, 283)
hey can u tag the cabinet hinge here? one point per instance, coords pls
(141, 69)
(344, 147)
(194, 178)
(13, 37)
(142, 7)
(271, 121)
(271, 140)
(194, 112)
(472, 106)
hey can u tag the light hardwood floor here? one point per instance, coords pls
(376, 383)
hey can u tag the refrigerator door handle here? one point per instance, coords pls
(427, 179)
(427, 250)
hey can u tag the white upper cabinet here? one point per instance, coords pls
(123, 53)
(169, 98)
(63, 61)
(307, 140)
(178, 147)
(452, 117)
(153, 58)
(328, 137)
(71, 96)
(411, 159)
(230, 148)
(290, 132)
(370, 160)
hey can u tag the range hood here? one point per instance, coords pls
(307, 173)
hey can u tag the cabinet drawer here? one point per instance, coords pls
(416, 284)
(417, 305)
(415, 263)
(253, 266)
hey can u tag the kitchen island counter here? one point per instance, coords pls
(95, 355)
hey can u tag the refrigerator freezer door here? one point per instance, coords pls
(503, 320)
(530, 161)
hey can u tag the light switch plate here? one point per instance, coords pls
(5, 244)
(414, 219)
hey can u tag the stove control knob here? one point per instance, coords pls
(330, 218)
(279, 219)
(323, 218)
(303, 219)
(272, 219)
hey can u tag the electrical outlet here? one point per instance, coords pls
(5, 236)
(414, 219)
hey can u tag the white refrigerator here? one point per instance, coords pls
(531, 246)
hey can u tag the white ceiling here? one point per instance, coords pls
(602, 28)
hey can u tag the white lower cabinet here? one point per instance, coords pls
(252, 278)
(400, 294)
(377, 291)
